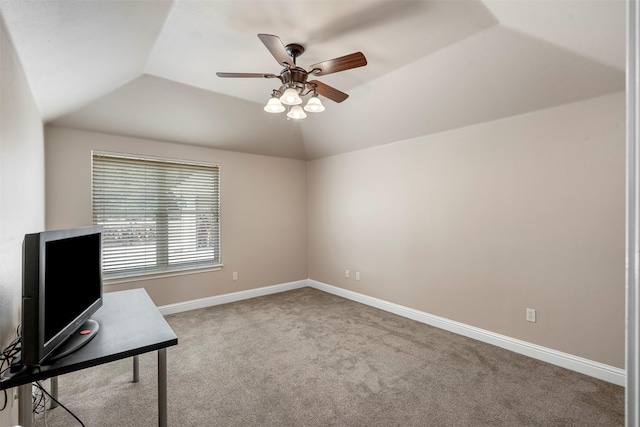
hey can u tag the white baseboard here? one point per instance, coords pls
(232, 297)
(578, 364)
(585, 366)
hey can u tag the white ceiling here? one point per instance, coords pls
(147, 68)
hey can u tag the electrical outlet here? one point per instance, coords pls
(357, 275)
(346, 273)
(235, 275)
(531, 315)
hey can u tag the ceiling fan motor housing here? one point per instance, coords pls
(294, 77)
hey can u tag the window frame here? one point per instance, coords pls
(163, 270)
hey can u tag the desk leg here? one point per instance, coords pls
(25, 405)
(136, 368)
(162, 387)
(54, 392)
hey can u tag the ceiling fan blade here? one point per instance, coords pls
(346, 62)
(248, 75)
(327, 91)
(275, 46)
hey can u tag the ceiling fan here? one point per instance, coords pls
(295, 80)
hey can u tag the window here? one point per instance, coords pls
(158, 215)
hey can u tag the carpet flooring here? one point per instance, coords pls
(308, 358)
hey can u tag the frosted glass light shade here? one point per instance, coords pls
(274, 106)
(290, 97)
(296, 113)
(314, 105)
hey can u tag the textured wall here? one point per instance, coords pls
(263, 201)
(474, 225)
(21, 190)
(479, 223)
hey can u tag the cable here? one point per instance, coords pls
(38, 400)
(6, 358)
(42, 389)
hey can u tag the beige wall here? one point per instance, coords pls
(263, 219)
(21, 191)
(474, 225)
(477, 224)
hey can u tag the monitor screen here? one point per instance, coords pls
(73, 280)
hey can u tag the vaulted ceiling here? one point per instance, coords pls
(147, 68)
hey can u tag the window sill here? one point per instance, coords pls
(152, 276)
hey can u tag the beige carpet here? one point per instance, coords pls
(308, 358)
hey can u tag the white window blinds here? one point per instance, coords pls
(157, 215)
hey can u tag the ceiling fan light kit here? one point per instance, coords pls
(296, 112)
(314, 105)
(274, 105)
(291, 97)
(294, 79)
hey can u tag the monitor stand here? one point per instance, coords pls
(83, 335)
